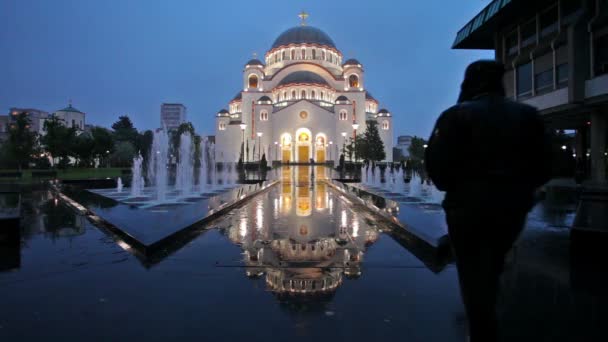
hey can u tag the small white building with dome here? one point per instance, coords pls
(302, 103)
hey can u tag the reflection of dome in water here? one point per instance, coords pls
(302, 281)
(293, 251)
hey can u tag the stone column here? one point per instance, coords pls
(599, 127)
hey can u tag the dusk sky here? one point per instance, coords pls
(117, 57)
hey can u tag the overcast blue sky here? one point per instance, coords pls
(117, 57)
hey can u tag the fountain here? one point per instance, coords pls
(436, 195)
(202, 175)
(184, 177)
(415, 185)
(377, 176)
(119, 185)
(214, 180)
(137, 180)
(157, 164)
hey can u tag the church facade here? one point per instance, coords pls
(302, 103)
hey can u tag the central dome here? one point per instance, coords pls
(302, 77)
(303, 35)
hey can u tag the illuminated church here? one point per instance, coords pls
(301, 104)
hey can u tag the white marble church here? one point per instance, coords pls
(303, 103)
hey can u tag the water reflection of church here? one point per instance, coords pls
(305, 239)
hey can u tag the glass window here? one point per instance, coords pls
(548, 21)
(562, 75)
(524, 80)
(343, 115)
(323, 54)
(528, 33)
(511, 43)
(353, 81)
(303, 94)
(600, 49)
(543, 82)
(570, 9)
(283, 55)
(303, 53)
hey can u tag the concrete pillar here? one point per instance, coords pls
(599, 128)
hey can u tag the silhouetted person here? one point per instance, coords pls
(489, 154)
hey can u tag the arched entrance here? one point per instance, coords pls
(320, 143)
(303, 145)
(286, 143)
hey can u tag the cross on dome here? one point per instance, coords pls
(303, 16)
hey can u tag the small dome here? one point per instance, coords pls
(369, 97)
(70, 109)
(383, 111)
(254, 62)
(223, 112)
(237, 97)
(303, 35)
(265, 100)
(352, 61)
(342, 99)
(302, 77)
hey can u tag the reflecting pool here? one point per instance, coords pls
(296, 262)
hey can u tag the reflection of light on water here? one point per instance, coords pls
(259, 216)
(275, 208)
(355, 227)
(344, 218)
(123, 245)
(243, 227)
(331, 206)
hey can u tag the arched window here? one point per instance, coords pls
(253, 81)
(312, 95)
(303, 94)
(263, 115)
(323, 96)
(314, 53)
(276, 57)
(353, 81)
(293, 94)
(293, 54)
(385, 125)
(331, 57)
(222, 126)
(303, 53)
(283, 55)
(343, 115)
(285, 95)
(323, 54)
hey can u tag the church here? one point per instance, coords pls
(302, 104)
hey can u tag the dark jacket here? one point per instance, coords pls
(489, 151)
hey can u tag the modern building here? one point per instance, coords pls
(4, 126)
(72, 117)
(303, 102)
(36, 117)
(556, 55)
(172, 115)
(403, 146)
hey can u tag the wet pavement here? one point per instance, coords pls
(296, 262)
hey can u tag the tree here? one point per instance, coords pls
(82, 149)
(416, 150)
(103, 144)
(21, 143)
(124, 130)
(123, 154)
(58, 140)
(370, 146)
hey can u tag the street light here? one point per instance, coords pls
(355, 127)
(564, 147)
(243, 126)
(260, 146)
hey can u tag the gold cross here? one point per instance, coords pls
(303, 16)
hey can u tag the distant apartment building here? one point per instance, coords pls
(4, 124)
(403, 145)
(172, 115)
(36, 117)
(556, 56)
(71, 117)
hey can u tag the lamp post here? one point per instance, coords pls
(355, 127)
(260, 146)
(276, 150)
(243, 126)
(344, 143)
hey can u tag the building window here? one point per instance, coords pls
(285, 95)
(283, 55)
(323, 54)
(528, 33)
(222, 126)
(293, 94)
(385, 125)
(562, 75)
(303, 53)
(548, 21)
(312, 94)
(293, 54)
(303, 95)
(600, 50)
(343, 115)
(543, 82)
(322, 96)
(314, 54)
(353, 81)
(511, 43)
(253, 81)
(263, 115)
(524, 80)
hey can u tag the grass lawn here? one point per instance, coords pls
(72, 173)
